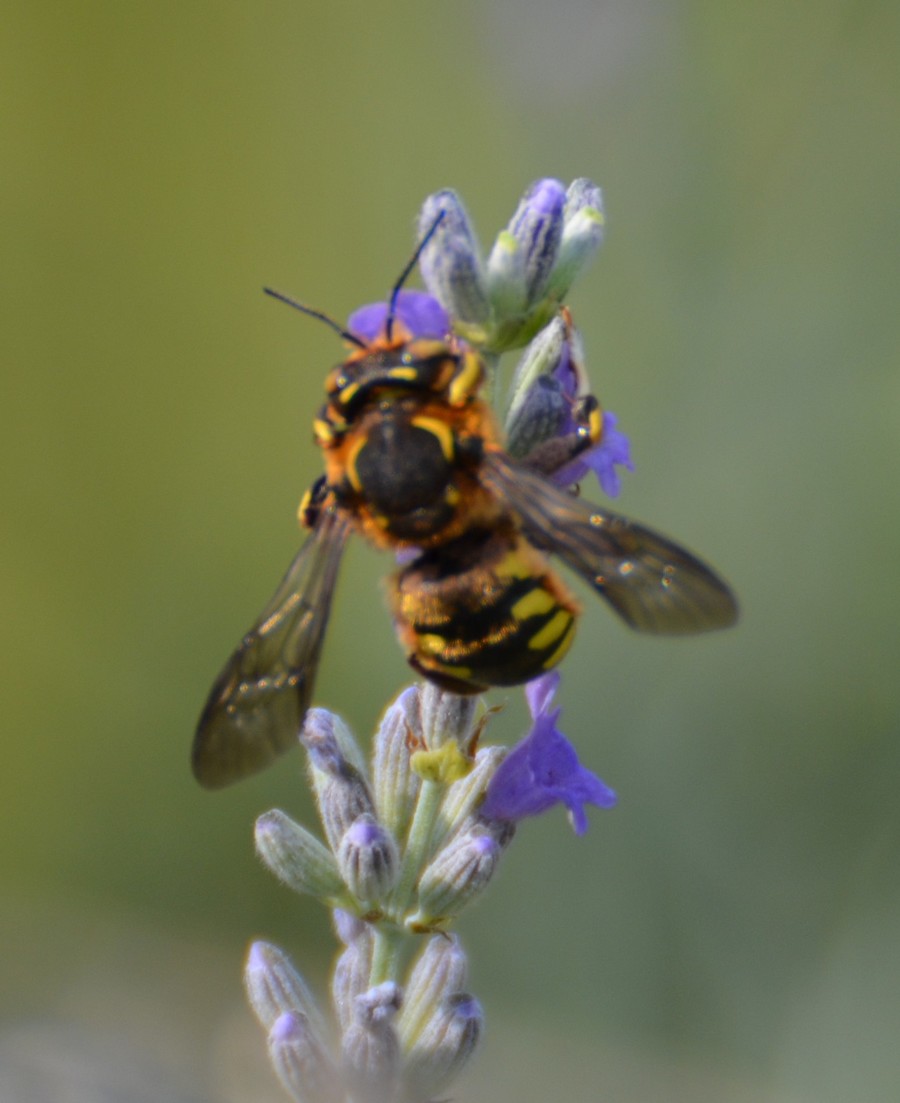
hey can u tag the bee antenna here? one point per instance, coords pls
(404, 275)
(336, 326)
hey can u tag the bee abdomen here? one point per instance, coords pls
(486, 610)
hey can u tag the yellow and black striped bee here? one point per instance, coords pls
(414, 461)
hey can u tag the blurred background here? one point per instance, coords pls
(731, 932)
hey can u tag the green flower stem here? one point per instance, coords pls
(391, 938)
(492, 369)
(387, 953)
(418, 843)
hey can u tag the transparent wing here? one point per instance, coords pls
(653, 584)
(256, 706)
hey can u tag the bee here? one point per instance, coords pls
(414, 462)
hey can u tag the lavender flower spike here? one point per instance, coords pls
(503, 302)
(543, 769)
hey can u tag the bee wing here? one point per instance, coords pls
(256, 706)
(653, 584)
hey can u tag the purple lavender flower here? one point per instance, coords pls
(613, 451)
(550, 379)
(419, 312)
(543, 769)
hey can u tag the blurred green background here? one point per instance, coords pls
(732, 931)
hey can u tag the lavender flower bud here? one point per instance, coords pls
(444, 1046)
(296, 857)
(341, 790)
(439, 972)
(584, 226)
(446, 731)
(353, 966)
(463, 796)
(539, 405)
(506, 277)
(325, 730)
(451, 262)
(541, 415)
(368, 860)
(458, 873)
(394, 783)
(347, 926)
(371, 1050)
(521, 261)
(274, 987)
(301, 1061)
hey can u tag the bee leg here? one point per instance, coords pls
(312, 502)
(469, 449)
(328, 430)
(551, 455)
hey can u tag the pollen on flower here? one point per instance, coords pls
(446, 764)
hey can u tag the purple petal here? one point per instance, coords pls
(546, 197)
(418, 311)
(613, 451)
(539, 692)
(541, 771)
(566, 373)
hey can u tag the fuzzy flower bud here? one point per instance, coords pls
(444, 1047)
(439, 972)
(302, 1062)
(326, 733)
(451, 262)
(458, 873)
(274, 987)
(394, 782)
(464, 796)
(523, 257)
(348, 927)
(341, 790)
(371, 1050)
(540, 404)
(296, 857)
(353, 966)
(368, 860)
(445, 732)
(550, 384)
(584, 226)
